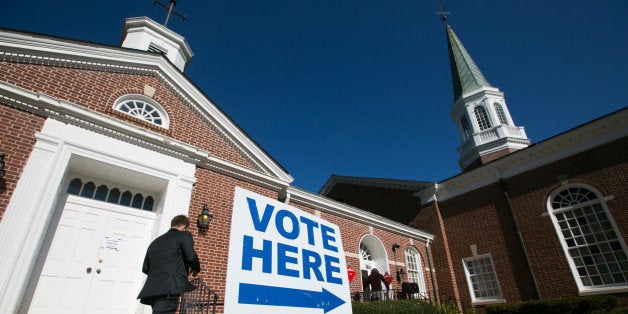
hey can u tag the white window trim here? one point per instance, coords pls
(474, 299)
(477, 111)
(582, 289)
(138, 97)
(420, 269)
(500, 113)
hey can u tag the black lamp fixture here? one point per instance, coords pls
(204, 218)
(400, 271)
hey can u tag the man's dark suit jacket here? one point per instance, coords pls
(166, 263)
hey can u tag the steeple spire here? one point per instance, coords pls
(486, 129)
(465, 74)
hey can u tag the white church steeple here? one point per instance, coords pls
(479, 111)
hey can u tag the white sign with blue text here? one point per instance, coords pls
(283, 260)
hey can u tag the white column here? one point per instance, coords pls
(26, 219)
(177, 202)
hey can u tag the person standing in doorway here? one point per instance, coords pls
(375, 280)
(168, 262)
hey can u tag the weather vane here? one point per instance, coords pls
(441, 11)
(171, 10)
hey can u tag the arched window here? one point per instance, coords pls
(75, 186)
(482, 117)
(143, 108)
(366, 256)
(466, 128)
(114, 196)
(415, 268)
(594, 248)
(101, 193)
(138, 199)
(88, 190)
(501, 115)
(148, 203)
(125, 200)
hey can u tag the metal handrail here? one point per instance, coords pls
(389, 295)
(199, 300)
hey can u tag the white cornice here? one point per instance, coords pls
(327, 205)
(53, 108)
(37, 49)
(595, 133)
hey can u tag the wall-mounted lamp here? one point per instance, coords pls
(204, 218)
(2, 166)
(400, 271)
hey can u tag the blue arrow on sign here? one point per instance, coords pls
(277, 296)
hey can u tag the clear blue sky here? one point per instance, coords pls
(362, 88)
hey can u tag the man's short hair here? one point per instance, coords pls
(180, 220)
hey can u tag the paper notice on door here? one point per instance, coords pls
(111, 243)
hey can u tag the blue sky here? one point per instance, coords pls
(362, 88)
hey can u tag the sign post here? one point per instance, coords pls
(283, 260)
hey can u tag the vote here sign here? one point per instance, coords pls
(283, 260)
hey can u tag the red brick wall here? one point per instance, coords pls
(17, 139)
(97, 90)
(604, 169)
(482, 217)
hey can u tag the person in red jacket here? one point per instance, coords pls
(375, 280)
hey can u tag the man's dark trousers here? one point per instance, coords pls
(166, 304)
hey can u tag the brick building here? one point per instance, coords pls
(520, 222)
(104, 145)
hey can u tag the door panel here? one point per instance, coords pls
(119, 260)
(94, 261)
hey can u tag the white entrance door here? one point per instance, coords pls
(95, 259)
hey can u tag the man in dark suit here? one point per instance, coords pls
(167, 263)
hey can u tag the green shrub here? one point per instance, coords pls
(400, 307)
(573, 305)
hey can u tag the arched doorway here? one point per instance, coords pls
(372, 255)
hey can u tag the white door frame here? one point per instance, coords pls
(37, 194)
